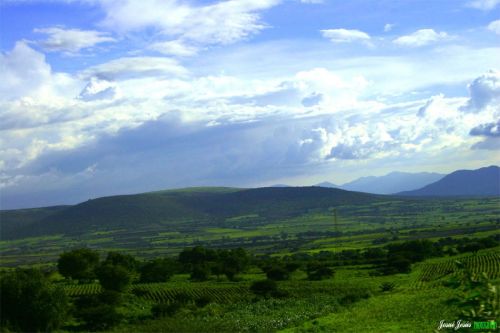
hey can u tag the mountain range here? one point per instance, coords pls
(480, 182)
(220, 203)
(393, 182)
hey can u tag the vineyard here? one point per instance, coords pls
(166, 292)
(488, 263)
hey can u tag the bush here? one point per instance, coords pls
(30, 303)
(99, 317)
(318, 271)
(277, 273)
(387, 286)
(203, 301)
(264, 288)
(397, 264)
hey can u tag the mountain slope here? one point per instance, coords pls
(184, 207)
(480, 182)
(392, 183)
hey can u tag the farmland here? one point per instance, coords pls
(360, 225)
(336, 265)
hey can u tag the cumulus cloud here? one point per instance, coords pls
(136, 67)
(71, 40)
(495, 27)
(488, 130)
(421, 37)
(24, 70)
(483, 4)
(345, 35)
(484, 91)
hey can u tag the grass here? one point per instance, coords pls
(405, 311)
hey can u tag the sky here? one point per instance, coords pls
(104, 97)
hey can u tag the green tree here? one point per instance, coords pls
(319, 271)
(158, 270)
(78, 264)
(125, 260)
(114, 277)
(30, 303)
(277, 273)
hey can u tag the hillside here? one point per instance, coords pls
(392, 183)
(480, 182)
(179, 207)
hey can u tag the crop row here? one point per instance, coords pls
(488, 263)
(159, 292)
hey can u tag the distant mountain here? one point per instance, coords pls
(392, 183)
(184, 208)
(280, 185)
(328, 185)
(480, 182)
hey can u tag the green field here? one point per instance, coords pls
(353, 240)
(358, 226)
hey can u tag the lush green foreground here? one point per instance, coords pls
(362, 264)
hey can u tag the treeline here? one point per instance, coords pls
(396, 257)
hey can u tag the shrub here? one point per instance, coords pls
(387, 286)
(318, 271)
(277, 273)
(264, 288)
(99, 317)
(30, 303)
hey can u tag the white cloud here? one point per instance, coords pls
(484, 92)
(174, 48)
(483, 4)
(388, 27)
(135, 67)
(71, 40)
(99, 90)
(345, 35)
(421, 38)
(495, 27)
(24, 70)
(223, 22)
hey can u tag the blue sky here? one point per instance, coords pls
(101, 97)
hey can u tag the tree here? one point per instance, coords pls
(277, 273)
(233, 262)
(397, 264)
(200, 272)
(30, 303)
(158, 270)
(125, 260)
(78, 264)
(318, 271)
(114, 277)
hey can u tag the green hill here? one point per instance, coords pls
(172, 207)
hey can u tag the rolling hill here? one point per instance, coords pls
(480, 182)
(195, 205)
